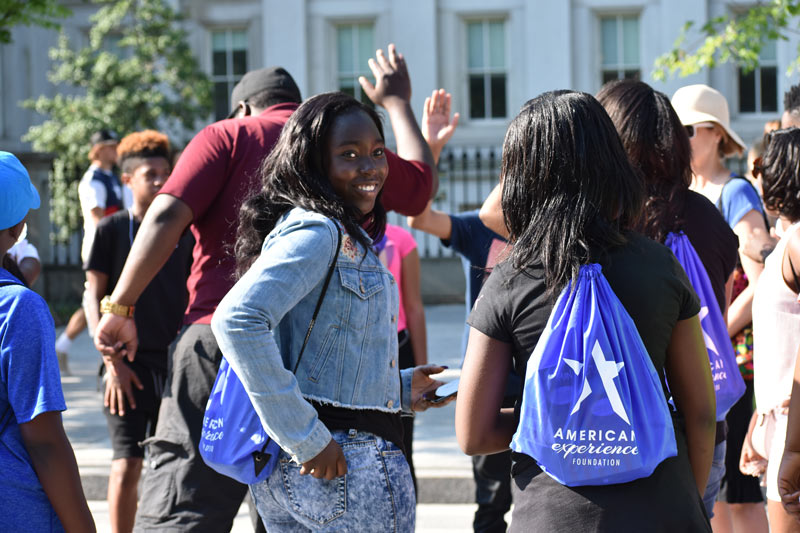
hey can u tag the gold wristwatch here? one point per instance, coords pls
(107, 306)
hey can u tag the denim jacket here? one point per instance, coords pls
(351, 357)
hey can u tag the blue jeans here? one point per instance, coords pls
(715, 478)
(376, 494)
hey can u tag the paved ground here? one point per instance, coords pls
(444, 473)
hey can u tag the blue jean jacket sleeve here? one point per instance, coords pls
(293, 261)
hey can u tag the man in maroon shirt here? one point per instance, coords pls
(213, 176)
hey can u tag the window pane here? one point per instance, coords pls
(219, 63)
(221, 105)
(498, 94)
(475, 45)
(631, 74)
(609, 75)
(366, 47)
(239, 62)
(497, 44)
(769, 52)
(630, 41)
(747, 92)
(608, 36)
(239, 40)
(477, 107)
(769, 89)
(345, 48)
(218, 40)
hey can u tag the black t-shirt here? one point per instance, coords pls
(713, 240)
(654, 289)
(160, 308)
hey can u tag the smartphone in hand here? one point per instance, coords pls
(444, 392)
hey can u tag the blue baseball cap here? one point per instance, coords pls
(17, 193)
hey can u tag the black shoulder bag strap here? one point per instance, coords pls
(261, 458)
(6, 418)
(321, 297)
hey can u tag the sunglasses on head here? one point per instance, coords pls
(691, 129)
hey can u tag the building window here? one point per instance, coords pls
(355, 44)
(619, 48)
(486, 68)
(228, 65)
(758, 89)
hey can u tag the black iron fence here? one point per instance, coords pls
(466, 176)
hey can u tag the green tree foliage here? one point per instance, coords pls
(26, 12)
(137, 72)
(738, 38)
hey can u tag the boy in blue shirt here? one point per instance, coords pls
(41, 489)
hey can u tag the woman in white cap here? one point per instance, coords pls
(704, 112)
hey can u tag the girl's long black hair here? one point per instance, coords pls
(569, 190)
(294, 175)
(658, 145)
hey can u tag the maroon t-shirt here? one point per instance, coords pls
(218, 169)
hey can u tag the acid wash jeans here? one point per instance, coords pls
(376, 494)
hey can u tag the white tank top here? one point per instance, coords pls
(776, 331)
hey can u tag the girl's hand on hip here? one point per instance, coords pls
(329, 463)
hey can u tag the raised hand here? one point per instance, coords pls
(392, 83)
(437, 127)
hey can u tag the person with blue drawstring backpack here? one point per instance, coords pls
(658, 146)
(597, 318)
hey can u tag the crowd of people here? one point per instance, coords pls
(266, 245)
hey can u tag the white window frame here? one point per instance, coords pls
(354, 74)
(229, 77)
(620, 67)
(486, 71)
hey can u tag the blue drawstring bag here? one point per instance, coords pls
(233, 442)
(728, 383)
(593, 409)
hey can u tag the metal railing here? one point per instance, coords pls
(466, 176)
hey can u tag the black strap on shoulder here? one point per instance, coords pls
(321, 297)
(261, 458)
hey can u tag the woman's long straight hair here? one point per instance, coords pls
(658, 145)
(294, 175)
(569, 190)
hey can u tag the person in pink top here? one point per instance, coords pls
(398, 251)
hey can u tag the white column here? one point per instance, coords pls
(413, 28)
(285, 38)
(547, 41)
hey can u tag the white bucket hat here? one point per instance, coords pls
(700, 103)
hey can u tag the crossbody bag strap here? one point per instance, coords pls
(321, 297)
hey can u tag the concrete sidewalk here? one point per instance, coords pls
(444, 474)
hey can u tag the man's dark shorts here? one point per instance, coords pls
(129, 430)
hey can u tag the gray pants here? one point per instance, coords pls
(179, 492)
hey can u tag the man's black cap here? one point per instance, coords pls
(102, 137)
(274, 79)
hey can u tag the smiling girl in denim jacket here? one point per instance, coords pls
(338, 417)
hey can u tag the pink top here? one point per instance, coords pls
(399, 243)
